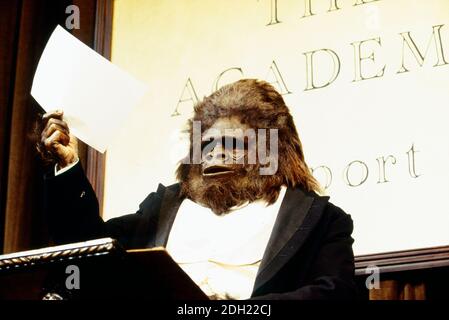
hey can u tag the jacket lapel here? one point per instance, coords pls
(170, 202)
(297, 216)
(299, 213)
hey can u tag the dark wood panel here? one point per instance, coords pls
(406, 260)
(95, 167)
(9, 17)
(86, 33)
(103, 27)
(25, 28)
(24, 218)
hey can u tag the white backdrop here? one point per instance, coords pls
(384, 141)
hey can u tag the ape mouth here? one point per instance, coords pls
(217, 170)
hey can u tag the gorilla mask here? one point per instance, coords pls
(249, 148)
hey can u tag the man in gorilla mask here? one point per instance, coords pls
(245, 219)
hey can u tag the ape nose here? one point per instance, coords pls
(220, 156)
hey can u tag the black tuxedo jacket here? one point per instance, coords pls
(308, 256)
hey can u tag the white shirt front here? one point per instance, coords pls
(222, 254)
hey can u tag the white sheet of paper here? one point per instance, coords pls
(95, 95)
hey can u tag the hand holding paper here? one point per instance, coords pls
(95, 95)
(57, 144)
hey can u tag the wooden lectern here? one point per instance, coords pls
(97, 269)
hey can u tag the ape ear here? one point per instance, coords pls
(182, 171)
(282, 120)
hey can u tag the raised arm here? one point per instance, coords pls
(70, 203)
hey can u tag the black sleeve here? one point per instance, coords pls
(333, 269)
(72, 211)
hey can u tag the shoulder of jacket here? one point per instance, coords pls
(156, 197)
(338, 215)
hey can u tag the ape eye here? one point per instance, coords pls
(209, 144)
(233, 143)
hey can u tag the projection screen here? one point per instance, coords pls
(366, 81)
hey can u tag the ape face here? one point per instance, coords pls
(229, 173)
(225, 178)
(224, 149)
